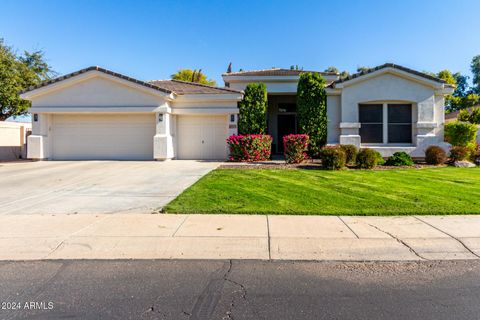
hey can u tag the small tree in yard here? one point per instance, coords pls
(18, 72)
(312, 110)
(253, 110)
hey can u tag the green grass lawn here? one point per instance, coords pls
(445, 190)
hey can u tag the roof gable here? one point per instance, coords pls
(390, 68)
(163, 87)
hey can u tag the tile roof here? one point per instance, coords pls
(94, 68)
(183, 87)
(165, 86)
(275, 72)
(389, 65)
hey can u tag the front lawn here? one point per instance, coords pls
(357, 192)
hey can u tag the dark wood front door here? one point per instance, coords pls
(286, 124)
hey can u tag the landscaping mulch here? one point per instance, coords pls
(312, 165)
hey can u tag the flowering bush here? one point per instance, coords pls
(295, 146)
(250, 147)
(333, 157)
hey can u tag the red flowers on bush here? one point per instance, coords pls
(295, 146)
(250, 147)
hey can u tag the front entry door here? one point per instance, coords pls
(286, 124)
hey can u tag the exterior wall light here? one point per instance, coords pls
(232, 118)
(160, 117)
(35, 117)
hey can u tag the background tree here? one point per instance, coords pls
(462, 85)
(18, 72)
(253, 110)
(342, 74)
(475, 68)
(363, 69)
(312, 110)
(195, 75)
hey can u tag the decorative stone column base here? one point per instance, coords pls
(163, 147)
(422, 142)
(350, 139)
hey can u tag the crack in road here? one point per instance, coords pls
(209, 298)
(400, 241)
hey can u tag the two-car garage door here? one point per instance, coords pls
(103, 136)
(130, 137)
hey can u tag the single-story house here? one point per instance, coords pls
(95, 113)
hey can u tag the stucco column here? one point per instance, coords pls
(38, 146)
(349, 126)
(163, 140)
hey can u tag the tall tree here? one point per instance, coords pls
(18, 72)
(195, 75)
(312, 110)
(462, 85)
(253, 110)
(475, 68)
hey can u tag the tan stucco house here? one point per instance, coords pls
(95, 113)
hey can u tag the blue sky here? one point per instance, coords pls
(152, 39)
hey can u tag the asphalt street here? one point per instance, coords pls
(192, 289)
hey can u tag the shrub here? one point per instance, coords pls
(250, 147)
(333, 158)
(312, 110)
(475, 116)
(460, 133)
(463, 115)
(368, 158)
(400, 158)
(350, 152)
(435, 155)
(460, 153)
(295, 146)
(253, 110)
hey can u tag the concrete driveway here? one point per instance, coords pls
(68, 187)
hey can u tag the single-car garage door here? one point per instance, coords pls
(103, 137)
(202, 137)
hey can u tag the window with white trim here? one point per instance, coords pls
(385, 123)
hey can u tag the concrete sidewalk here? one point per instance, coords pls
(157, 236)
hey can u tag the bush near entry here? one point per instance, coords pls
(461, 133)
(296, 146)
(435, 155)
(369, 158)
(460, 153)
(400, 158)
(253, 110)
(250, 147)
(312, 110)
(333, 157)
(351, 152)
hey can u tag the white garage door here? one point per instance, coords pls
(103, 137)
(202, 137)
